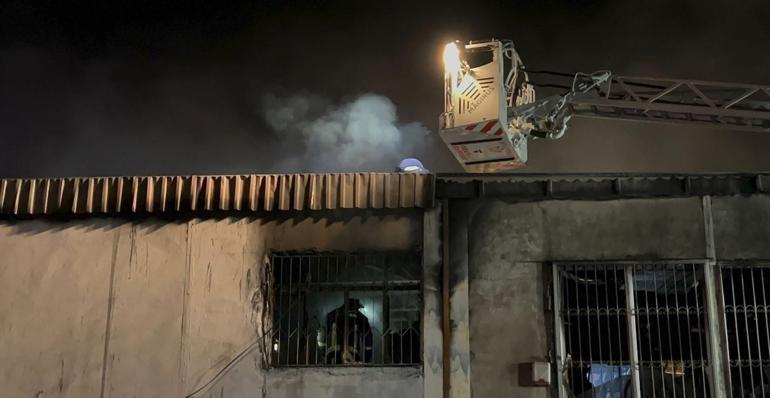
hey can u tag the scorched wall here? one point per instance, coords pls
(104, 307)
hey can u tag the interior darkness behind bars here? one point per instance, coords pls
(670, 318)
(746, 293)
(346, 309)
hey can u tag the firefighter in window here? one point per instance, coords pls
(359, 341)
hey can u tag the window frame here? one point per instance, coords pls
(632, 314)
(729, 318)
(386, 286)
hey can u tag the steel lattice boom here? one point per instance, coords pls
(730, 105)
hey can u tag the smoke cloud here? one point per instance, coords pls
(364, 134)
(153, 89)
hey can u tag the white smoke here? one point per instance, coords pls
(362, 135)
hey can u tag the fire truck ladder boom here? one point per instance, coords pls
(726, 105)
(493, 105)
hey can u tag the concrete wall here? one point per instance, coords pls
(104, 307)
(109, 308)
(317, 382)
(741, 227)
(508, 246)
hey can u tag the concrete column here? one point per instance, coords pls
(431, 311)
(713, 292)
(460, 215)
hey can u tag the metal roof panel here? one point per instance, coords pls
(212, 193)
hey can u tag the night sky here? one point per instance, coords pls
(156, 88)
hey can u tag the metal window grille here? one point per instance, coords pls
(631, 329)
(343, 309)
(746, 302)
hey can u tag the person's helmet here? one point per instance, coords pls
(411, 165)
(354, 304)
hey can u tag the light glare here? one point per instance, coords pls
(452, 58)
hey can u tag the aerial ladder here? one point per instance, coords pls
(491, 110)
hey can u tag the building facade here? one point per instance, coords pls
(368, 284)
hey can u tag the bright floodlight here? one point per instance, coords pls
(452, 58)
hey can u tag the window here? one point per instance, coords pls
(746, 301)
(612, 318)
(343, 309)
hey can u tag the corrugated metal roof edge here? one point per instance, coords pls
(214, 193)
(286, 192)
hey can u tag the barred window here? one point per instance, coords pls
(746, 301)
(343, 309)
(627, 326)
